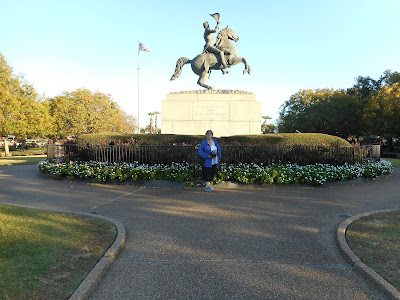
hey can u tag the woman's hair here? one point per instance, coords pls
(209, 131)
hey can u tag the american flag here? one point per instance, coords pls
(143, 47)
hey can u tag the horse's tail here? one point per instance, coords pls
(179, 64)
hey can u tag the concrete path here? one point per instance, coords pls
(272, 243)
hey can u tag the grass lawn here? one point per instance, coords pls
(395, 161)
(23, 152)
(26, 160)
(46, 255)
(375, 240)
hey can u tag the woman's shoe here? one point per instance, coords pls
(209, 188)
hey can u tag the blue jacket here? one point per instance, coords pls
(205, 150)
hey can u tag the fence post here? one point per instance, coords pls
(51, 152)
(375, 152)
(194, 159)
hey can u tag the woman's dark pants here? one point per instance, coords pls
(209, 173)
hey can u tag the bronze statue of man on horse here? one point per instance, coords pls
(218, 56)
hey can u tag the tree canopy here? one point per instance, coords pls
(383, 111)
(83, 111)
(24, 113)
(326, 111)
(369, 107)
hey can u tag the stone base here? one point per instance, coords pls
(225, 112)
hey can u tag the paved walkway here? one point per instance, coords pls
(277, 242)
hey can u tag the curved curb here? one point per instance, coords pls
(89, 283)
(358, 265)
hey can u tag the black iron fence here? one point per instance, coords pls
(232, 154)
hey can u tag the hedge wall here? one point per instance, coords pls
(283, 139)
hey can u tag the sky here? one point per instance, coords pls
(289, 44)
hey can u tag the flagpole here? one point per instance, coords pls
(138, 90)
(141, 47)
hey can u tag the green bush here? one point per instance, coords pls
(289, 139)
(139, 139)
(283, 139)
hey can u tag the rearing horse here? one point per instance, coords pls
(202, 64)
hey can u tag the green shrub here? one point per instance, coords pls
(140, 139)
(283, 139)
(289, 139)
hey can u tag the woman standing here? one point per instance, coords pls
(211, 152)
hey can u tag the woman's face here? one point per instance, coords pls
(209, 135)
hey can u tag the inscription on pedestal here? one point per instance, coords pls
(210, 111)
(225, 112)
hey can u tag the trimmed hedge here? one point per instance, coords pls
(283, 139)
(137, 139)
(288, 139)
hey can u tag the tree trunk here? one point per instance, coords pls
(6, 147)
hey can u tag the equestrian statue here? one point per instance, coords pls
(218, 56)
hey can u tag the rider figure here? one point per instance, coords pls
(209, 46)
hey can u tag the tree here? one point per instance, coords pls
(83, 111)
(157, 130)
(270, 128)
(22, 113)
(294, 114)
(152, 128)
(383, 112)
(326, 111)
(389, 78)
(9, 102)
(35, 115)
(264, 125)
(363, 88)
(127, 122)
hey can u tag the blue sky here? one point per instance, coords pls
(290, 45)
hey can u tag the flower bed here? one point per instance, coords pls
(316, 174)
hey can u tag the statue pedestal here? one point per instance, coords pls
(225, 112)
